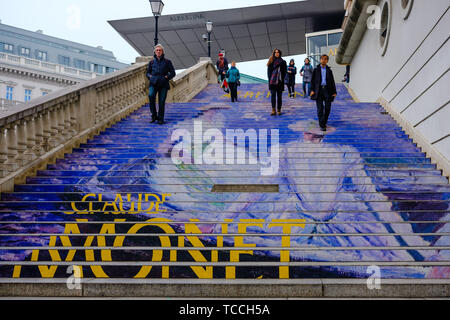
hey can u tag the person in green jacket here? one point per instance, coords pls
(233, 77)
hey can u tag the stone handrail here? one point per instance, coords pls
(44, 129)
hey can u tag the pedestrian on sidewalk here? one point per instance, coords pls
(306, 72)
(159, 72)
(233, 77)
(222, 66)
(323, 90)
(276, 73)
(290, 79)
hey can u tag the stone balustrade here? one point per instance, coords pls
(40, 131)
(43, 66)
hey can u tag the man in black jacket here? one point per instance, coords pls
(159, 72)
(323, 90)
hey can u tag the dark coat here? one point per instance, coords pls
(160, 72)
(317, 80)
(283, 69)
(225, 66)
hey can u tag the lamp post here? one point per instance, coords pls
(209, 27)
(157, 8)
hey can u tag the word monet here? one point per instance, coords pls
(86, 248)
(208, 147)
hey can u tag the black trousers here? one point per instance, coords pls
(276, 98)
(291, 86)
(233, 91)
(323, 106)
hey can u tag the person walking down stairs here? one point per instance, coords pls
(159, 72)
(276, 73)
(233, 77)
(290, 79)
(323, 90)
(222, 66)
(306, 72)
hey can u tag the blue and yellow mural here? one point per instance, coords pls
(118, 206)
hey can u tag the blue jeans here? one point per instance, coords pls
(162, 95)
(306, 88)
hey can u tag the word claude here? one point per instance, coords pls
(122, 204)
(208, 147)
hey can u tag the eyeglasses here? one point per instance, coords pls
(158, 50)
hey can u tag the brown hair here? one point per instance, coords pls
(272, 57)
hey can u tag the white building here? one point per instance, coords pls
(398, 51)
(33, 64)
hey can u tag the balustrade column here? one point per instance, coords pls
(25, 146)
(12, 153)
(3, 153)
(49, 134)
(33, 138)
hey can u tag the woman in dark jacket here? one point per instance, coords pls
(276, 72)
(222, 66)
(290, 79)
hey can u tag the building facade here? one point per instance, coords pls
(33, 64)
(398, 51)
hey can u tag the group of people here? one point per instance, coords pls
(318, 83)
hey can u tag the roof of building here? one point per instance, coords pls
(244, 33)
(43, 40)
(245, 78)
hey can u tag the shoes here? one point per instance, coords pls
(161, 122)
(273, 112)
(323, 129)
(279, 112)
(153, 120)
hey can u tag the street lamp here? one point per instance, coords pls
(157, 8)
(209, 27)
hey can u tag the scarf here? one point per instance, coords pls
(275, 79)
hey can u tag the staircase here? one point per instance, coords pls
(359, 201)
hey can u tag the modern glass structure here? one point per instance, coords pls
(325, 42)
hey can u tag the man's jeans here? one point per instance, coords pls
(162, 95)
(307, 88)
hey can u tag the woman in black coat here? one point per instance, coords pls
(276, 72)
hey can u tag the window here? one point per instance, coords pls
(385, 29)
(99, 69)
(25, 51)
(79, 64)
(9, 93)
(334, 38)
(407, 7)
(41, 55)
(64, 60)
(110, 70)
(27, 95)
(317, 44)
(6, 47)
(44, 93)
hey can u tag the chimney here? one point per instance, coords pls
(40, 31)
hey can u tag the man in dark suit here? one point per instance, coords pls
(159, 72)
(323, 90)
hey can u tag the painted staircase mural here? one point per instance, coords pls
(326, 205)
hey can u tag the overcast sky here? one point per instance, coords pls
(85, 21)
